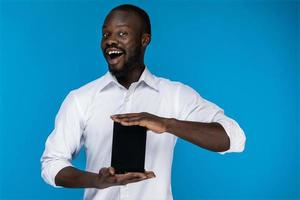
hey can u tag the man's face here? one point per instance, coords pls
(122, 41)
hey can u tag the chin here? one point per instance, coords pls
(117, 70)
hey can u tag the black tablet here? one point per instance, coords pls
(128, 148)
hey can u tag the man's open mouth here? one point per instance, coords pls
(114, 53)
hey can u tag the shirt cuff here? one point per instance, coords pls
(236, 135)
(51, 169)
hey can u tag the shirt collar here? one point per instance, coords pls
(147, 77)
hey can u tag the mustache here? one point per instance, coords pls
(113, 46)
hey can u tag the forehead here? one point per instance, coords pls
(123, 18)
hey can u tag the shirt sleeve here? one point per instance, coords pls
(65, 140)
(192, 107)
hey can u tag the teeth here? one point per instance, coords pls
(114, 52)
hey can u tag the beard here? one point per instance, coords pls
(129, 64)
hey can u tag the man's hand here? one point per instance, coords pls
(211, 136)
(74, 178)
(108, 178)
(151, 122)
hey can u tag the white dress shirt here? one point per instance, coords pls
(84, 119)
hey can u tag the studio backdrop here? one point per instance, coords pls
(242, 55)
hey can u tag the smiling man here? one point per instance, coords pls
(131, 95)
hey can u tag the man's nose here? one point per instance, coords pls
(111, 41)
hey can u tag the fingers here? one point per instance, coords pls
(121, 116)
(132, 121)
(132, 177)
(129, 120)
(134, 180)
(109, 178)
(150, 174)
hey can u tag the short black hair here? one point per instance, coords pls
(140, 12)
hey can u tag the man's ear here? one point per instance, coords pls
(146, 38)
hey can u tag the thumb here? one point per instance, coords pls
(104, 172)
(111, 171)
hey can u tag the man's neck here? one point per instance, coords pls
(131, 77)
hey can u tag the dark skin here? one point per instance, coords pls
(123, 32)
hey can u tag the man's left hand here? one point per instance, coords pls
(151, 122)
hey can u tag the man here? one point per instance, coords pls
(131, 95)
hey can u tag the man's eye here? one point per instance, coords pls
(105, 35)
(123, 34)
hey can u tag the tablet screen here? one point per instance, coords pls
(128, 148)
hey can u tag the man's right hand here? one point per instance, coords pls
(107, 177)
(74, 178)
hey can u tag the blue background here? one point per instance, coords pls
(242, 55)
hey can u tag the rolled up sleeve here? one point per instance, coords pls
(195, 108)
(234, 132)
(65, 140)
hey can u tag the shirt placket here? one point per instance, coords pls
(128, 97)
(124, 191)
